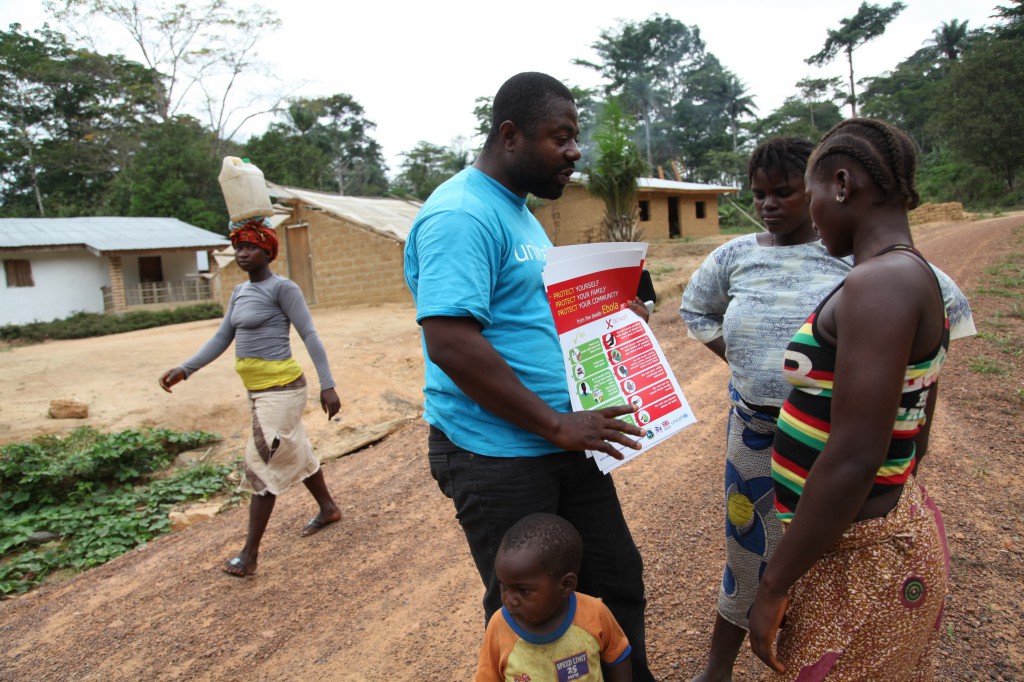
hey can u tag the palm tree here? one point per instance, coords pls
(738, 103)
(950, 39)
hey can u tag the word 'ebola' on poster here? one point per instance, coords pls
(611, 356)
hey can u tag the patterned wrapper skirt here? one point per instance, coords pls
(752, 530)
(870, 609)
(279, 453)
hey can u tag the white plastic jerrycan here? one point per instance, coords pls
(245, 190)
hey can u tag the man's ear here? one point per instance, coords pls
(508, 133)
(567, 585)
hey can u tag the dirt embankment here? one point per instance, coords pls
(391, 593)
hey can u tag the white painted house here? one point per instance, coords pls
(54, 267)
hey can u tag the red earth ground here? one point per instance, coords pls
(390, 593)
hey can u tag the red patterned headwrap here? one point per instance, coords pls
(256, 231)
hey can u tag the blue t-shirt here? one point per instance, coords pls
(475, 250)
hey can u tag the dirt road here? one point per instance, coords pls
(391, 593)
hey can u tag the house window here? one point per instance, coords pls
(645, 211)
(19, 273)
(701, 213)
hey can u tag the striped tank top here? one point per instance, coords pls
(805, 420)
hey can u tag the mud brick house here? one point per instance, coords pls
(667, 209)
(340, 250)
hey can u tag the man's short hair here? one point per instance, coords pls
(553, 540)
(526, 99)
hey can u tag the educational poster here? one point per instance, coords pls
(611, 357)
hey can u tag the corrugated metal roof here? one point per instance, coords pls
(390, 217)
(658, 183)
(103, 234)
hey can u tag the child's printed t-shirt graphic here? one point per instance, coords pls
(611, 356)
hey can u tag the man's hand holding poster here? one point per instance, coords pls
(611, 357)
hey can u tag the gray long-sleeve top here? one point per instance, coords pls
(257, 320)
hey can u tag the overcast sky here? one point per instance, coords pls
(417, 67)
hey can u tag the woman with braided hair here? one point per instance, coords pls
(744, 303)
(258, 319)
(860, 572)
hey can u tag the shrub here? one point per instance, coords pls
(84, 325)
(92, 492)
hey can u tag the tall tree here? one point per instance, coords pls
(910, 95)
(324, 144)
(174, 174)
(950, 39)
(642, 97)
(649, 63)
(197, 52)
(991, 136)
(813, 91)
(793, 119)
(1012, 16)
(867, 24)
(69, 120)
(613, 174)
(738, 103)
(428, 165)
(700, 123)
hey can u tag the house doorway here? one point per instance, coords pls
(300, 260)
(673, 217)
(151, 269)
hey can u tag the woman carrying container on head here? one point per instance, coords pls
(258, 319)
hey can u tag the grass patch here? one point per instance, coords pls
(738, 229)
(81, 500)
(998, 291)
(983, 365)
(86, 325)
(1005, 280)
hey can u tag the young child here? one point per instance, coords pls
(545, 630)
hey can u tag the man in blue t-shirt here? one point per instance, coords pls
(503, 440)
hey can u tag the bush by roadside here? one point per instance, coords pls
(83, 325)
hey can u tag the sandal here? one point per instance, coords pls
(236, 567)
(315, 525)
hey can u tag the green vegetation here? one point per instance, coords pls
(984, 365)
(1004, 280)
(83, 133)
(613, 174)
(92, 496)
(85, 325)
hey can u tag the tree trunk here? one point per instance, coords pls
(853, 87)
(647, 136)
(35, 173)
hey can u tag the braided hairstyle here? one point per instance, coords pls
(780, 156)
(887, 154)
(554, 541)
